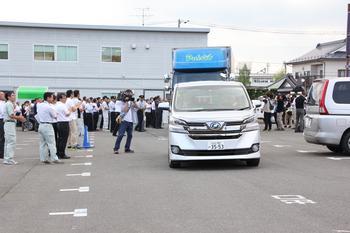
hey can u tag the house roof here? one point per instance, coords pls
(329, 50)
(288, 83)
(103, 27)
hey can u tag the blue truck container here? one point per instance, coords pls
(200, 64)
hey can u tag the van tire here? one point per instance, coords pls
(335, 149)
(174, 164)
(253, 162)
(345, 143)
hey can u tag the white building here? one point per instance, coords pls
(326, 60)
(260, 80)
(98, 60)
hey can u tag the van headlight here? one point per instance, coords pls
(250, 124)
(177, 125)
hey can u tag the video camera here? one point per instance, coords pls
(126, 96)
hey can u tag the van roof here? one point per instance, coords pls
(209, 83)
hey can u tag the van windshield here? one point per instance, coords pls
(211, 98)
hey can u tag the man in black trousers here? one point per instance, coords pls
(141, 104)
(2, 135)
(63, 118)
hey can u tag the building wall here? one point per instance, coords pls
(139, 69)
(331, 68)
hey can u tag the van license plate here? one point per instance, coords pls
(216, 146)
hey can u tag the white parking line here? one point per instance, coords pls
(341, 231)
(81, 174)
(90, 150)
(80, 189)
(81, 164)
(75, 213)
(281, 146)
(83, 156)
(338, 158)
(307, 151)
(22, 144)
(162, 139)
(265, 141)
(19, 148)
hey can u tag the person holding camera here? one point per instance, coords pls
(126, 120)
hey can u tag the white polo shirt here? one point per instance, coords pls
(62, 112)
(2, 109)
(118, 106)
(111, 106)
(46, 112)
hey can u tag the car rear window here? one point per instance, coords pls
(315, 92)
(341, 93)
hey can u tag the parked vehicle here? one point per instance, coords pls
(212, 120)
(327, 120)
(259, 105)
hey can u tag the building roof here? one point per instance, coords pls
(103, 27)
(329, 50)
(286, 84)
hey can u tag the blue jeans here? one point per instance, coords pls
(124, 127)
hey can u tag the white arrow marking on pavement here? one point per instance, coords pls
(82, 174)
(293, 199)
(281, 146)
(338, 158)
(75, 213)
(80, 189)
(81, 164)
(307, 151)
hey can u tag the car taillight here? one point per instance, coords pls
(323, 109)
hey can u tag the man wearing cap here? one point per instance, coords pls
(141, 104)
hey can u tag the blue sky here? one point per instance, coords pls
(261, 48)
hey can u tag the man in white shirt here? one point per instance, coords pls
(89, 109)
(105, 110)
(111, 107)
(73, 104)
(2, 135)
(141, 104)
(63, 117)
(10, 118)
(117, 110)
(46, 115)
(128, 107)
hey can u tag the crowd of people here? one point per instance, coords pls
(287, 110)
(61, 120)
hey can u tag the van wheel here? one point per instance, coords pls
(335, 149)
(174, 164)
(253, 162)
(345, 144)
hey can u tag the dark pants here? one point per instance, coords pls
(140, 116)
(2, 139)
(299, 120)
(159, 116)
(63, 133)
(113, 117)
(54, 126)
(116, 126)
(148, 119)
(124, 127)
(153, 118)
(267, 120)
(95, 120)
(89, 121)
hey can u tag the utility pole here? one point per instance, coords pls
(144, 14)
(348, 44)
(180, 21)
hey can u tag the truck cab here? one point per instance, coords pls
(212, 120)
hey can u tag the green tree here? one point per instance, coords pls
(279, 75)
(244, 75)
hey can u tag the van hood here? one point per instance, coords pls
(204, 116)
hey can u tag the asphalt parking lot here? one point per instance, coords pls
(298, 187)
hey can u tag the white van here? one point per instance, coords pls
(212, 120)
(327, 120)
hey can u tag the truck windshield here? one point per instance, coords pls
(211, 98)
(181, 77)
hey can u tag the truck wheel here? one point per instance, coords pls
(335, 149)
(253, 162)
(345, 143)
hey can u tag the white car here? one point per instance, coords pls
(212, 120)
(259, 105)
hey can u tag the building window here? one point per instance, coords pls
(44, 52)
(341, 73)
(111, 54)
(67, 53)
(4, 52)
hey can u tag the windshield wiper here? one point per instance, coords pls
(240, 109)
